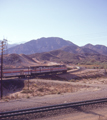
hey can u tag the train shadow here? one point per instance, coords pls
(10, 86)
(69, 76)
(78, 75)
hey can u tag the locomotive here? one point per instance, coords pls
(34, 70)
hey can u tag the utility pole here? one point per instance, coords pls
(28, 78)
(3, 43)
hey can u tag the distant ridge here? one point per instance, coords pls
(79, 50)
(55, 43)
(99, 48)
(40, 45)
(54, 49)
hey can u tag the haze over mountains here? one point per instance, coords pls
(54, 49)
(40, 45)
(55, 43)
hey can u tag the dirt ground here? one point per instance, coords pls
(91, 81)
(41, 87)
(72, 81)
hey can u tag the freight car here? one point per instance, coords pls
(35, 70)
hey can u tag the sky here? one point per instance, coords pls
(79, 21)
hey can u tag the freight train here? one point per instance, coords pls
(32, 71)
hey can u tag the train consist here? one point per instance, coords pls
(32, 71)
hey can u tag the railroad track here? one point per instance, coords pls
(50, 108)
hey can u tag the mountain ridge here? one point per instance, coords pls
(54, 43)
(102, 49)
(40, 45)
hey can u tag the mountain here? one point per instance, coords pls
(56, 56)
(54, 43)
(11, 45)
(79, 50)
(98, 48)
(40, 45)
(54, 49)
(17, 60)
(68, 57)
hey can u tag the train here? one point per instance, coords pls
(33, 71)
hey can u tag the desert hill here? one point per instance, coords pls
(79, 50)
(61, 56)
(98, 48)
(56, 56)
(17, 61)
(54, 49)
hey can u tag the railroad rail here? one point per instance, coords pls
(50, 108)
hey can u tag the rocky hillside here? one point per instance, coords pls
(79, 50)
(68, 57)
(56, 56)
(53, 49)
(98, 48)
(40, 45)
(17, 60)
(55, 43)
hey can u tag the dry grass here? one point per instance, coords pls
(37, 88)
(41, 88)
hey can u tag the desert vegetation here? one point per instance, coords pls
(38, 88)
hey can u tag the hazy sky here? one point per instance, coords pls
(80, 21)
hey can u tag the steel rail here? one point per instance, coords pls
(49, 108)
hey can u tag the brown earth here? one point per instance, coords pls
(25, 88)
(37, 87)
(77, 84)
